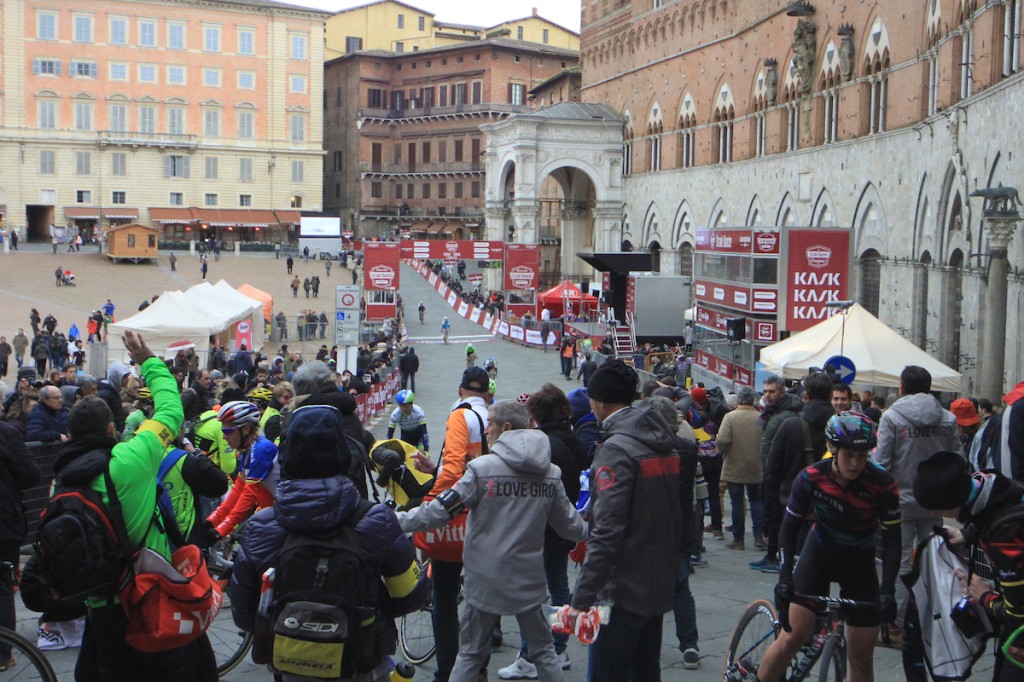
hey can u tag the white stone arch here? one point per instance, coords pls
(787, 214)
(725, 101)
(877, 43)
(655, 118)
(652, 227)
(830, 63)
(627, 229)
(824, 213)
(683, 225)
(870, 226)
(687, 110)
(755, 213)
(718, 217)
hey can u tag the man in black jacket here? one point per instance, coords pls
(18, 472)
(408, 365)
(797, 444)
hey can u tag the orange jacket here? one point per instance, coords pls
(463, 440)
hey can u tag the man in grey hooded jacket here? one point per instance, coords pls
(513, 494)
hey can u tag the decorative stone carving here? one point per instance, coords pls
(846, 51)
(805, 45)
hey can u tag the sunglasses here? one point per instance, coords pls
(228, 430)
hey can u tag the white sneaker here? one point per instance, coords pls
(563, 660)
(49, 638)
(521, 669)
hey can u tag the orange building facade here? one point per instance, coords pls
(113, 109)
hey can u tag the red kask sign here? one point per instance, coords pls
(522, 263)
(818, 272)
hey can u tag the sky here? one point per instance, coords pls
(475, 12)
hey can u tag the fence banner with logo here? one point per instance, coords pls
(817, 272)
(522, 266)
(381, 278)
(243, 334)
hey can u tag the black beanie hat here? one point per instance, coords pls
(613, 382)
(315, 447)
(943, 481)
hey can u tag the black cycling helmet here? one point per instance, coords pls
(851, 430)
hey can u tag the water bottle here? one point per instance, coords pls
(403, 672)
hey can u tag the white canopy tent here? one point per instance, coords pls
(194, 314)
(878, 353)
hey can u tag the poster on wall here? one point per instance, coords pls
(818, 271)
(380, 279)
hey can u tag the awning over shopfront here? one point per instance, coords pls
(619, 263)
(288, 217)
(172, 216)
(81, 213)
(435, 228)
(421, 226)
(121, 213)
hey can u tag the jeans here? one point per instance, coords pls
(773, 512)
(712, 467)
(566, 367)
(684, 607)
(556, 572)
(628, 649)
(754, 493)
(445, 616)
(409, 381)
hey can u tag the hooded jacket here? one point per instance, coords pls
(512, 494)
(568, 455)
(787, 407)
(316, 505)
(636, 518)
(911, 431)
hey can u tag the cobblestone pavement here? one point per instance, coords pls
(721, 589)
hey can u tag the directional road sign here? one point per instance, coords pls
(843, 367)
(347, 317)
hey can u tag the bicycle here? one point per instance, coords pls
(416, 629)
(26, 662)
(759, 626)
(230, 643)
(422, 315)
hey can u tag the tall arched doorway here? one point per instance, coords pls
(655, 249)
(870, 264)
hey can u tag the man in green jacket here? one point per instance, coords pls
(105, 655)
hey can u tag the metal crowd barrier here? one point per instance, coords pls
(34, 499)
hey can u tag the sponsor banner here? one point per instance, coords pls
(760, 331)
(455, 249)
(432, 279)
(764, 331)
(817, 272)
(486, 324)
(713, 363)
(533, 337)
(748, 299)
(373, 402)
(606, 281)
(738, 240)
(380, 266)
(474, 315)
(742, 375)
(463, 308)
(452, 298)
(522, 266)
(516, 333)
(243, 334)
(476, 278)
(503, 328)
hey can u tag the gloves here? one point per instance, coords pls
(887, 607)
(425, 443)
(783, 596)
(565, 620)
(211, 534)
(579, 553)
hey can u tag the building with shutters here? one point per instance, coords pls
(202, 118)
(402, 139)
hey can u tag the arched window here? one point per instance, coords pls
(870, 264)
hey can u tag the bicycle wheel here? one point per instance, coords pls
(29, 664)
(832, 664)
(416, 636)
(754, 633)
(230, 643)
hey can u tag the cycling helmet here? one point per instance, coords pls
(145, 394)
(523, 398)
(260, 395)
(851, 430)
(404, 397)
(238, 413)
(492, 386)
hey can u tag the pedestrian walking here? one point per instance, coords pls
(295, 284)
(307, 286)
(59, 274)
(355, 276)
(203, 268)
(314, 283)
(174, 262)
(14, 240)
(290, 263)
(327, 266)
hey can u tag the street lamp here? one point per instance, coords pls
(843, 307)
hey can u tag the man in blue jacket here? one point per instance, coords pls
(48, 422)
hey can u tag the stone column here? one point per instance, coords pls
(1000, 227)
(574, 223)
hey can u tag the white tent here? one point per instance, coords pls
(878, 353)
(194, 314)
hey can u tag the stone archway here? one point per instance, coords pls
(576, 147)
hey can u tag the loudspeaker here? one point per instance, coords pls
(736, 328)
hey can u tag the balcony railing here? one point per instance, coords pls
(137, 139)
(419, 112)
(415, 212)
(421, 168)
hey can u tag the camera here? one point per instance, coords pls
(970, 618)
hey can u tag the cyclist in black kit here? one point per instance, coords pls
(847, 497)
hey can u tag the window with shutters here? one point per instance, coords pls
(47, 162)
(176, 166)
(398, 190)
(83, 115)
(118, 118)
(516, 93)
(376, 190)
(147, 119)
(212, 166)
(458, 190)
(442, 95)
(297, 127)
(478, 92)
(176, 199)
(147, 33)
(474, 189)
(118, 31)
(210, 199)
(46, 67)
(83, 163)
(119, 164)
(246, 124)
(458, 150)
(375, 98)
(82, 68)
(459, 94)
(426, 152)
(298, 171)
(245, 169)
(176, 121)
(442, 190)
(47, 114)
(426, 190)
(353, 44)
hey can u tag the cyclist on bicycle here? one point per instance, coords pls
(258, 469)
(446, 327)
(848, 497)
(470, 355)
(423, 309)
(410, 420)
(491, 366)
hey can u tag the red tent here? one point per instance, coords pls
(566, 293)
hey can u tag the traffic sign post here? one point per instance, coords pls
(843, 368)
(347, 322)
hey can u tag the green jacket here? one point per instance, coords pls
(134, 463)
(790, 407)
(210, 439)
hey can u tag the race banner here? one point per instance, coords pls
(817, 272)
(243, 334)
(381, 274)
(522, 266)
(453, 249)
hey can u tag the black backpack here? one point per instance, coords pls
(323, 618)
(82, 547)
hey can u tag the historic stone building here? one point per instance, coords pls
(881, 117)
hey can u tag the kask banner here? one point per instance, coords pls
(818, 271)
